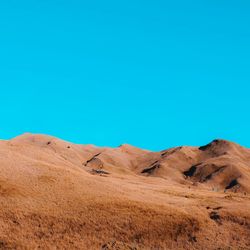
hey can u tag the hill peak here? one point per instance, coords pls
(218, 143)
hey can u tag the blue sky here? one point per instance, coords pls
(154, 74)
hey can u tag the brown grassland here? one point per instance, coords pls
(58, 195)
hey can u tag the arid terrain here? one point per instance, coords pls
(59, 195)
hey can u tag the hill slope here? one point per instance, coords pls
(57, 194)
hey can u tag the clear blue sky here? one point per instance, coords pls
(154, 74)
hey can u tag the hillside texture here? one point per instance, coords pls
(59, 195)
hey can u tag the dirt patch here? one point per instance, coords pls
(191, 171)
(233, 183)
(152, 168)
(216, 217)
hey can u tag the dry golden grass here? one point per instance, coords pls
(50, 200)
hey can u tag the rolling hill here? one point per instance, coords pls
(56, 194)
